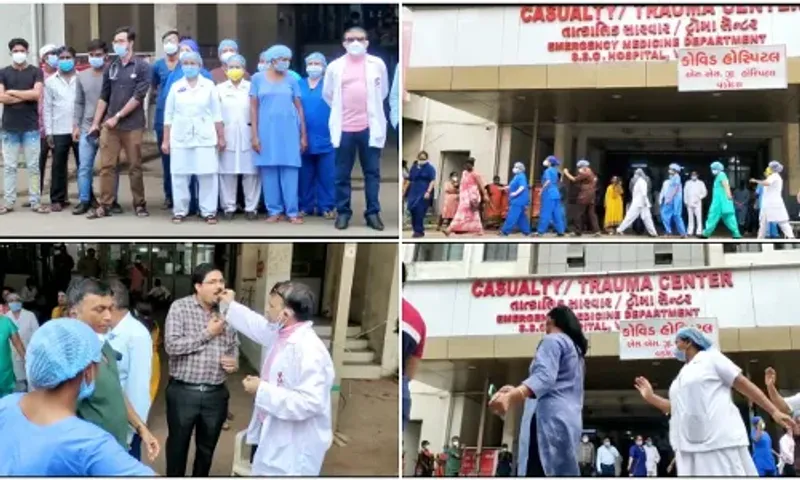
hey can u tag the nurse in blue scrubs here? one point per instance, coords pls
(672, 202)
(519, 194)
(551, 211)
(421, 179)
(317, 172)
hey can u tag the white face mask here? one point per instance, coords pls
(356, 49)
(170, 48)
(19, 57)
(226, 56)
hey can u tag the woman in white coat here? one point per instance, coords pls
(291, 422)
(639, 207)
(236, 159)
(706, 429)
(773, 208)
(193, 135)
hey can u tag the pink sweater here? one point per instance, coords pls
(280, 344)
(354, 94)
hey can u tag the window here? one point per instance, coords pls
(786, 246)
(576, 256)
(500, 252)
(439, 252)
(662, 254)
(741, 247)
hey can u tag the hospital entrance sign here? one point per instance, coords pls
(653, 338)
(732, 68)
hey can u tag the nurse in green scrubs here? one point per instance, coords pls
(721, 204)
(8, 336)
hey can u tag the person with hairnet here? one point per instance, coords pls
(42, 435)
(721, 204)
(318, 171)
(225, 51)
(278, 129)
(519, 194)
(773, 208)
(706, 429)
(27, 324)
(672, 202)
(161, 72)
(9, 336)
(694, 191)
(551, 211)
(584, 207)
(237, 158)
(639, 207)
(194, 137)
(762, 448)
(772, 227)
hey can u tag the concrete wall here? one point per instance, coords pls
(39, 24)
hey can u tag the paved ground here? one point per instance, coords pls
(25, 223)
(368, 417)
(493, 234)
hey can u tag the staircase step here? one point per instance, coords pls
(326, 331)
(360, 372)
(359, 357)
(352, 344)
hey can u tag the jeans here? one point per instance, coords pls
(370, 158)
(87, 149)
(30, 144)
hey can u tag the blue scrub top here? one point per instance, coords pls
(166, 84)
(160, 74)
(639, 457)
(419, 178)
(317, 113)
(762, 452)
(524, 198)
(551, 192)
(69, 448)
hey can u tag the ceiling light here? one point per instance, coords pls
(729, 134)
(616, 96)
(716, 94)
(753, 360)
(520, 97)
(655, 364)
(472, 367)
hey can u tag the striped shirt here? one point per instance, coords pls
(194, 355)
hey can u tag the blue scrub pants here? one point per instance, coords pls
(194, 202)
(668, 217)
(370, 158)
(417, 208)
(772, 230)
(279, 185)
(551, 212)
(516, 218)
(87, 153)
(317, 179)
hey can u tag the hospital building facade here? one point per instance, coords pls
(484, 306)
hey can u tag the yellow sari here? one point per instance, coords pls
(155, 379)
(613, 204)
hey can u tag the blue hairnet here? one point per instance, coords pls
(716, 166)
(188, 42)
(553, 160)
(192, 56)
(276, 51)
(519, 166)
(695, 336)
(776, 166)
(58, 351)
(638, 173)
(237, 58)
(227, 43)
(318, 57)
(582, 163)
(675, 167)
(756, 420)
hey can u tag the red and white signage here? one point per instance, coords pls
(653, 339)
(560, 34)
(485, 468)
(732, 68)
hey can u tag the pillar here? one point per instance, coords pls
(791, 160)
(340, 317)
(94, 20)
(53, 24)
(506, 133)
(390, 354)
(562, 147)
(277, 258)
(165, 18)
(228, 21)
(333, 260)
(582, 150)
(482, 426)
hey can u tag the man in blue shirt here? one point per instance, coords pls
(161, 71)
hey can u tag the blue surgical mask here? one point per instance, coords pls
(97, 62)
(66, 65)
(86, 391)
(191, 71)
(262, 67)
(15, 306)
(120, 50)
(282, 66)
(679, 354)
(52, 60)
(314, 71)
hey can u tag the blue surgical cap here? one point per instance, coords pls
(553, 160)
(188, 42)
(519, 166)
(776, 166)
(192, 56)
(227, 43)
(756, 420)
(238, 59)
(695, 336)
(276, 51)
(675, 167)
(717, 167)
(316, 56)
(58, 351)
(582, 163)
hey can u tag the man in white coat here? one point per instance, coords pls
(291, 422)
(640, 206)
(693, 194)
(27, 324)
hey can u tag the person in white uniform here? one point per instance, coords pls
(26, 323)
(291, 422)
(639, 207)
(192, 135)
(693, 194)
(653, 458)
(773, 208)
(706, 429)
(236, 159)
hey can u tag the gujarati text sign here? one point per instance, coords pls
(732, 68)
(653, 338)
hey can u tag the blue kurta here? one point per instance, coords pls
(278, 121)
(556, 378)
(639, 465)
(317, 113)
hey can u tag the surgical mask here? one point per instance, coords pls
(97, 62)
(546, 163)
(282, 66)
(639, 443)
(422, 160)
(66, 65)
(52, 60)
(694, 177)
(235, 74)
(455, 443)
(191, 71)
(86, 391)
(585, 439)
(649, 443)
(356, 49)
(226, 56)
(314, 71)
(120, 50)
(516, 170)
(19, 57)
(606, 444)
(455, 179)
(170, 48)
(15, 306)
(262, 67)
(679, 354)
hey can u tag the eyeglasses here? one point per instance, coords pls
(356, 39)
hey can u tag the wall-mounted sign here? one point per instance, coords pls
(732, 68)
(653, 339)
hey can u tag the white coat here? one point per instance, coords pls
(191, 113)
(377, 91)
(773, 206)
(235, 104)
(639, 197)
(26, 325)
(653, 458)
(694, 192)
(295, 401)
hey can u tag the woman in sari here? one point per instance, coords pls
(496, 205)
(449, 200)
(468, 213)
(613, 205)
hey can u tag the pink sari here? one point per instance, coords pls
(468, 218)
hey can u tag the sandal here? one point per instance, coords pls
(251, 216)
(4, 210)
(56, 207)
(274, 218)
(98, 212)
(297, 221)
(211, 220)
(141, 211)
(329, 215)
(177, 219)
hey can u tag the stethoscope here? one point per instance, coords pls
(113, 70)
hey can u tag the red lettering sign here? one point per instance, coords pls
(762, 67)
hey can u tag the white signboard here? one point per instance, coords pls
(732, 68)
(653, 339)
(562, 34)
